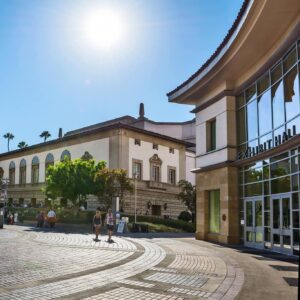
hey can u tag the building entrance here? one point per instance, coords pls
(268, 223)
(281, 223)
(254, 222)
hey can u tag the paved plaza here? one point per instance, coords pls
(69, 264)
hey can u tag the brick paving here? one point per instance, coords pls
(38, 264)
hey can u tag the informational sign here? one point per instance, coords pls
(121, 226)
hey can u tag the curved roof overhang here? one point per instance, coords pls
(262, 30)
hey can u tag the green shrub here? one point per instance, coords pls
(179, 224)
(185, 216)
(85, 217)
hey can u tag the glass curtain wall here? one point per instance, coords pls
(277, 175)
(270, 107)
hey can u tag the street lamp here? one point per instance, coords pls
(135, 176)
(117, 188)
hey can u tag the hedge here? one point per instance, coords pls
(85, 217)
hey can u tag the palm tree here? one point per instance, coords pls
(22, 145)
(45, 134)
(9, 136)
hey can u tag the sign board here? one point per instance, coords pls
(121, 226)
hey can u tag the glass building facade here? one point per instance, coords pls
(268, 115)
(268, 112)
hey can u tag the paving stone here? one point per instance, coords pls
(50, 265)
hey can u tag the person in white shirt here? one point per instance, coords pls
(51, 218)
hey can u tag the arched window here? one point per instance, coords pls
(12, 173)
(35, 165)
(22, 180)
(64, 154)
(48, 162)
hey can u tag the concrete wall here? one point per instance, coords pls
(224, 113)
(145, 151)
(190, 165)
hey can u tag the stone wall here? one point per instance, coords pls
(226, 180)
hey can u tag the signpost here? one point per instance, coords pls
(121, 226)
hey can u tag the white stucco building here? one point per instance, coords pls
(160, 153)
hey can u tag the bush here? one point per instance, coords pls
(85, 217)
(179, 224)
(185, 216)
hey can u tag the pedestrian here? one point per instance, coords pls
(40, 219)
(109, 221)
(97, 223)
(51, 218)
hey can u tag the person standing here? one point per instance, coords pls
(40, 219)
(97, 223)
(109, 221)
(51, 218)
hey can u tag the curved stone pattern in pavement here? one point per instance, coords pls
(51, 265)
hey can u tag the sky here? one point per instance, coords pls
(55, 72)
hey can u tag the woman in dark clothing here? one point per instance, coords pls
(97, 223)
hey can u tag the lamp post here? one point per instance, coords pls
(117, 187)
(135, 175)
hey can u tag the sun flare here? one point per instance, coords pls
(103, 28)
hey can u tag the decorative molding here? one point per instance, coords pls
(87, 156)
(155, 160)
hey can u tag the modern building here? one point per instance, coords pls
(247, 108)
(158, 154)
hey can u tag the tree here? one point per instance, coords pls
(188, 196)
(22, 145)
(9, 136)
(45, 134)
(112, 183)
(73, 179)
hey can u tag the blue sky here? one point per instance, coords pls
(51, 77)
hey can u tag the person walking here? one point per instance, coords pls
(109, 221)
(97, 223)
(51, 218)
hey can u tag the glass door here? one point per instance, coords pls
(254, 223)
(281, 224)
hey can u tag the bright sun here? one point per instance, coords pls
(103, 28)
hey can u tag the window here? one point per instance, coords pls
(252, 120)
(155, 164)
(137, 169)
(65, 154)
(155, 173)
(137, 142)
(264, 113)
(291, 94)
(172, 175)
(35, 170)
(214, 211)
(155, 146)
(12, 172)
(171, 150)
(48, 162)
(211, 135)
(22, 180)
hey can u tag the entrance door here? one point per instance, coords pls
(281, 224)
(254, 223)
